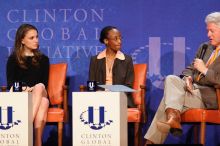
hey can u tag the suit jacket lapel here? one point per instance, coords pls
(115, 70)
(208, 54)
(102, 70)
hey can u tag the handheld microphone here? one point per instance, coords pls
(204, 48)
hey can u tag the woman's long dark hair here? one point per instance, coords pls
(19, 47)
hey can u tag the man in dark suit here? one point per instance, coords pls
(195, 88)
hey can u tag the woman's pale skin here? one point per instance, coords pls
(30, 43)
(40, 102)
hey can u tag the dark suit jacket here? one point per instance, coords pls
(122, 72)
(209, 82)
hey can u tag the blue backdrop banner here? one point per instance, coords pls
(163, 34)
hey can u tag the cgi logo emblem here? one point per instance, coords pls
(10, 123)
(89, 115)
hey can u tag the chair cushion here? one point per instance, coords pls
(134, 115)
(201, 115)
(55, 115)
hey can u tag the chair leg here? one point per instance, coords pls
(195, 132)
(202, 133)
(137, 134)
(140, 139)
(60, 133)
(136, 128)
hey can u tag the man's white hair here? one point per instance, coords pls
(213, 18)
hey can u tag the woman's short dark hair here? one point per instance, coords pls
(104, 33)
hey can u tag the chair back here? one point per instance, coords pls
(56, 82)
(140, 71)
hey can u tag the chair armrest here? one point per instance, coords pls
(143, 104)
(3, 88)
(218, 97)
(65, 103)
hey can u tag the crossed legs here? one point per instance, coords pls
(40, 107)
(176, 98)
